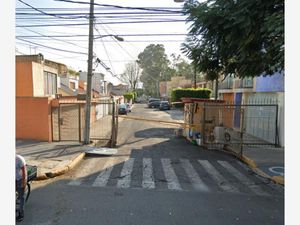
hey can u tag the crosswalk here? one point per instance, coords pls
(183, 174)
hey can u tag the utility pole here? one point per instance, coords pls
(89, 76)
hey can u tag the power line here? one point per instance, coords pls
(81, 53)
(48, 14)
(120, 7)
(118, 22)
(122, 35)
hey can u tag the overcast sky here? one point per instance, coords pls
(73, 50)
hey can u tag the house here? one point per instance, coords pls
(36, 86)
(262, 90)
(69, 85)
(98, 82)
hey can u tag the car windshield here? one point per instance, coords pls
(122, 106)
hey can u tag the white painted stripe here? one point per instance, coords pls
(192, 174)
(148, 181)
(250, 184)
(125, 177)
(102, 178)
(217, 177)
(170, 175)
(75, 182)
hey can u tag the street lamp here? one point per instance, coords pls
(118, 38)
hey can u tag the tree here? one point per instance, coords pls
(73, 72)
(154, 63)
(182, 67)
(131, 75)
(240, 37)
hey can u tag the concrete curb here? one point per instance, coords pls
(253, 165)
(63, 170)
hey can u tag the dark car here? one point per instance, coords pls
(164, 105)
(123, 109)
(154, 104)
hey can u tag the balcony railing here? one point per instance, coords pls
(226, 84)
(243, 83)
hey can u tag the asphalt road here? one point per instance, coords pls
(156, 178)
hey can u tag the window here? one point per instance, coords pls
(50, 83)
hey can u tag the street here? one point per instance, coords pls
(156, 178)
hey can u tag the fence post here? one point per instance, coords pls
(276, 128)
(79, 122)
(242, 131)
(113, 141)
(58, 114)
(203, 126)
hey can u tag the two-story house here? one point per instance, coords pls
(262, 90)
(36, 86)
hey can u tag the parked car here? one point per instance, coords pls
(154, 104)
(164, 105)
(129, 107)
(123, 110)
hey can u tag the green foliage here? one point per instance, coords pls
(129, 95)
(154, 62)
(245, 38)
(73, 72)
(177, 94)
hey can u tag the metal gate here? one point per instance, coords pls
(68, 122)
(239, 125)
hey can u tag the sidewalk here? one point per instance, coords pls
(52, 159)
(267, 161)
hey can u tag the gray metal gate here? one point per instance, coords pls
(68, 122)
(240, 125)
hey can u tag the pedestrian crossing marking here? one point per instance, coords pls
(125, 177)
(170, 175)
(148, 181)
(102, 178)
(217, 177)
(194, 177)
(168, 169)
(250, 184)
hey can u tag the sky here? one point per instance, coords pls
(32, 31)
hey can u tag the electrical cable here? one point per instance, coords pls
(118, 22)
(48, 14)
(81, 53)
(120, 7)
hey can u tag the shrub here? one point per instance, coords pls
(177, 94)
(129, 95)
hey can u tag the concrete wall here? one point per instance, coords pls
(38, 79)
(33, 118)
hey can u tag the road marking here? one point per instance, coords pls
(76, 182)
(277, 170)
(148, 181)
(194, 177)
(216, 176)
(170, 175)
(102, 178)
(125, 177)
(255, 188)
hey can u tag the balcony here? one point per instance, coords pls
(243, 83)
(226, 84)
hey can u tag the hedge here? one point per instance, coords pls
(177, 94)
(130, 95)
